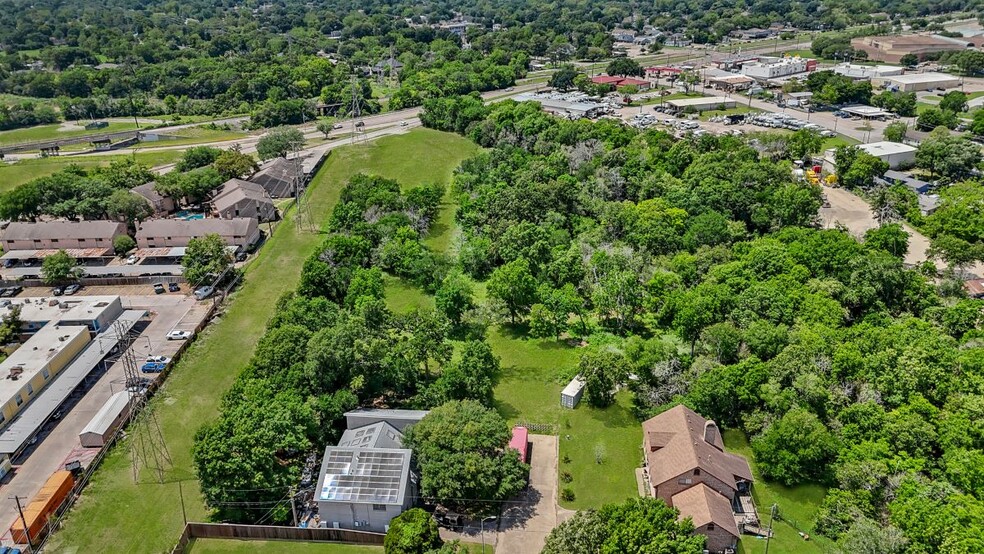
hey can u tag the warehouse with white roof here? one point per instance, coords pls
(914, 82)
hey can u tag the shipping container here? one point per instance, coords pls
(37, 512)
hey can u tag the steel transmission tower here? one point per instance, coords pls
(147, 446)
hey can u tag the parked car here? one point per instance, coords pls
(173, 287)
(132, 259)
(337, 126)
(57, 291)
(153, 367)
(179, 335)
(9, 262)
(201, 293)
(72, 289)
(403, 124)
(159, 288)
(158, 359)
(7, 292)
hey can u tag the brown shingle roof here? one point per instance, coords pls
(148, 191)
(20, 230)
(239, 226)
(687, 450)
(234, 191)
(703, 505)
(278, 177)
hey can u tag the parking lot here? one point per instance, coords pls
(58, 441)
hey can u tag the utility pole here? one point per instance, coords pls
(27, 530)
(772, 517)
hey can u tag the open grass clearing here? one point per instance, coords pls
(230, 546)
(13, 174)
(116, 515)
(55, 131)
(797, 507)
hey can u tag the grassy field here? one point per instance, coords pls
(797, 507)
(116, 515)
(55, 131)
(17, 173)
(220, 546)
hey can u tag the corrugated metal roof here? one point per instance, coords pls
(107, 414)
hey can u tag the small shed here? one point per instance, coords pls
(572, 393)
(520, 442)
(106, 421)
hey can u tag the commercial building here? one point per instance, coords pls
(892, 48)
(280, 177)
(731, 83)
(95, 312)
(774, 69)
(366, 480)
(866, 112)
(162, 205)
(107, 420)
(914, 82)
(702, 104)
(893, 153)
(619, 81)
(238, 198)
(239, 231)
(32, 366)
(687, 467)
(861, 72)
(77, 237)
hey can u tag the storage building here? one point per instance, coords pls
(702, 104)
(572, 393)
(520, 442)
(107, 420)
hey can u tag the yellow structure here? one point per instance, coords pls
(32, 366)
(812, 177)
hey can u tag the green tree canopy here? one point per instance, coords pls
(205, 259)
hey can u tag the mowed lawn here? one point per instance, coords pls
(222, 546)
(797, 508)
(54, 131)
(17, 173)
(116, 515)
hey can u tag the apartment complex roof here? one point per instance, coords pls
(235, 191)
(239, 226)
(20, 230)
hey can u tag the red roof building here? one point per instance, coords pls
(617, 81)
(520, 442)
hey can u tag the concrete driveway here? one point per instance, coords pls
(524, 527)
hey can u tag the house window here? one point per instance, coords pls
(45, 373)
(379, 507)
(710, 526)
(697, 471)
(54, 241)
(18, 399)
(685, 481)
(30, 389)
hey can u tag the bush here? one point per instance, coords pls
(123, 244)
(566, 477)
(412, 532)
(567, 494)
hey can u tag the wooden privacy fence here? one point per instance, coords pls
(194, 530)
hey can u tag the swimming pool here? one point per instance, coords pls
(187, 216)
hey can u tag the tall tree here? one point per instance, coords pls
(514, 285)
(205, 259)
(279, 142)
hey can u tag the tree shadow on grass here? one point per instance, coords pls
(516, 513)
